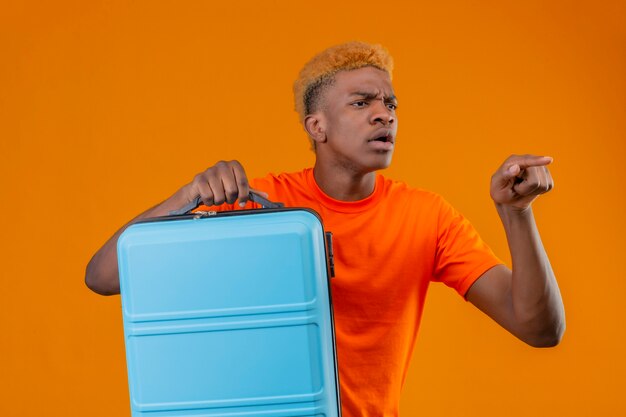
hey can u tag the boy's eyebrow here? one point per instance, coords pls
(371, 96)
(364, 94)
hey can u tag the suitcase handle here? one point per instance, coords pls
(254, 197)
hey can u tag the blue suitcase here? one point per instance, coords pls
(229, 314)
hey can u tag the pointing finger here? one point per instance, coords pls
(515, 165)
(528, 161)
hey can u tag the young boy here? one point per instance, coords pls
(390, 240)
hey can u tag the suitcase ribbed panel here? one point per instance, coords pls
(228, 316)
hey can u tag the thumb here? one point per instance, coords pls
(512, 172)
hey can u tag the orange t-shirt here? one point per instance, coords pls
(387, 247)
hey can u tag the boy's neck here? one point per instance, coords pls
(343, 185)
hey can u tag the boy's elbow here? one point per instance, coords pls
(97, 284)
(550, 336)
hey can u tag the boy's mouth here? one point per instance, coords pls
(387, 138)
(382, 141)
(384, 136)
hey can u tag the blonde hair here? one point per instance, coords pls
(319, 72)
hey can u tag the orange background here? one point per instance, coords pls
(108, 107)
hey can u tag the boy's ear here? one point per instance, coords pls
(315, 127)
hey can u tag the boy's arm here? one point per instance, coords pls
(223, 182)
(525, 300)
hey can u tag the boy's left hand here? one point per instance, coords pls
(520, 180)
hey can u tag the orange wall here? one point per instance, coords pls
(108, 107)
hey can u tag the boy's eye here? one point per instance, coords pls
(392, 106)
(359, 103)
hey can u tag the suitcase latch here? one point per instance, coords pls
(330, 254)
(203, 214)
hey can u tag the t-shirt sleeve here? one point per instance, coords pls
(461, 255)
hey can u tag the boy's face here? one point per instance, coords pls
(358, 117)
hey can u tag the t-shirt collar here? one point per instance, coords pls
(346, 206)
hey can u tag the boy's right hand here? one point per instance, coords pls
(224, 182)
